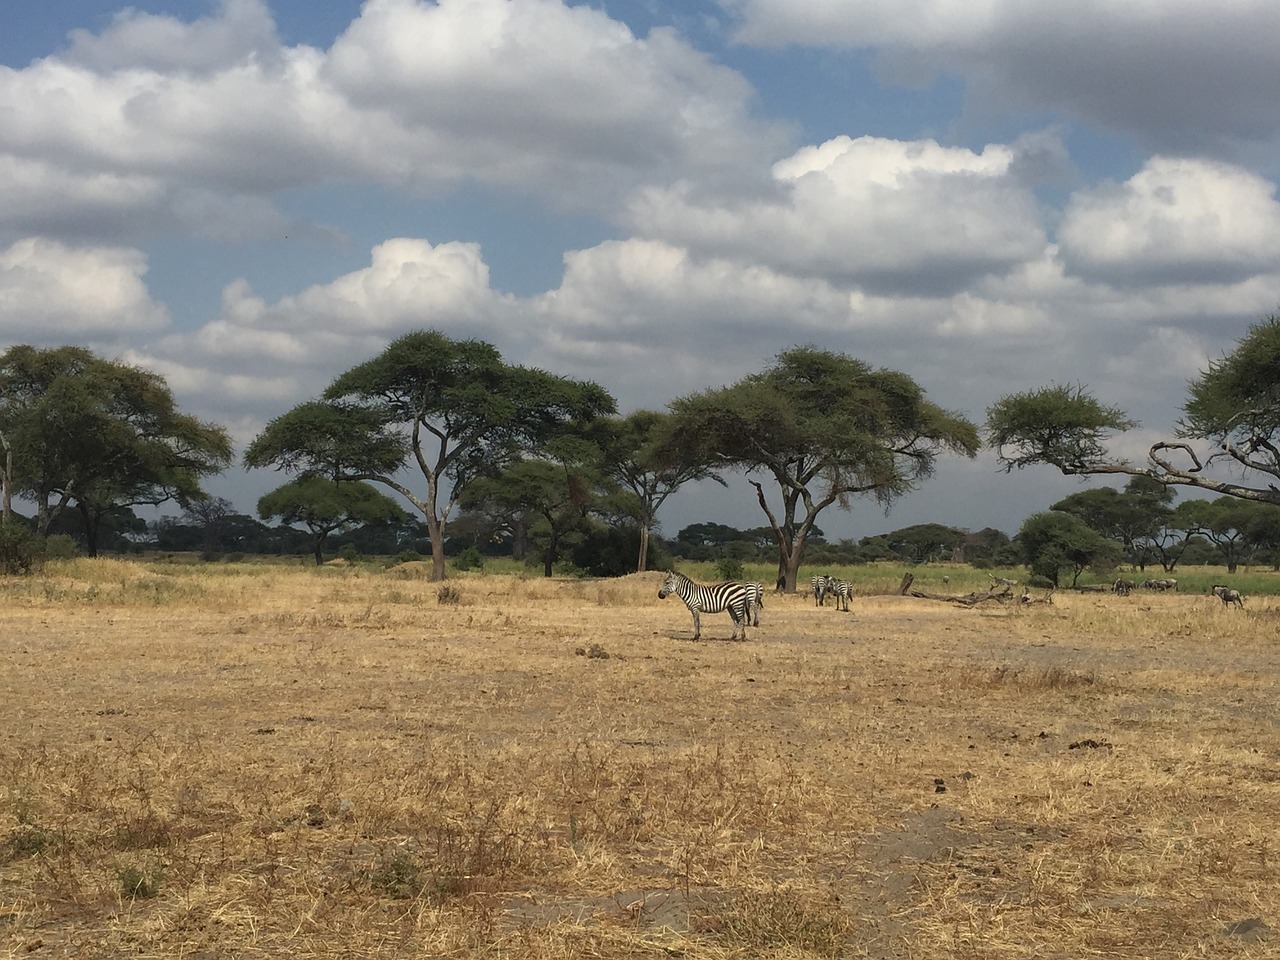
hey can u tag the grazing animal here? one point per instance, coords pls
(755, 600)
(709, 598)
(842, 590)
(1162, 585)
(820, 583)
(1228, 595)
(1122, 587)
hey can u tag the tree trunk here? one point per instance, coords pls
(435, 531)
(318, 545)
(92, 523)
(642, 562)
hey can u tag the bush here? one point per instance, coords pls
(469, 559)
(349, 552)
(408, 556)
(729, 568)
(61, 546)
(21, 551)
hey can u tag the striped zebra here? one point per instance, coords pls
(842, 590)
(710, 598)
(755, 600)
(820, 589)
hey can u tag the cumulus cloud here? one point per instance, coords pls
(886, 214)
(1185, 220)
(51, 293)
(255, 352)
(555, 101)
(1180, 74)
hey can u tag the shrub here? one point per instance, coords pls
(729, 568)
(408, 556)
(349, 552)
(448, 595)
(21, 551)
(469, 559)
(61, 546)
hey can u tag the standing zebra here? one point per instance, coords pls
(712, 598)
(820, 589)
(755, 600)
(842, 590)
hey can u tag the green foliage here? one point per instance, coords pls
(1060, 425)
(1053, 542)
(468, 559)
(21, 550)
(729, 568)
(826, 427)
(99, 435)
(1237, 399)
(60, 546)
(349, 552)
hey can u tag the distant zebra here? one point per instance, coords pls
(710, 598)
(1122, 587)
(820, 583)
(755, 600)
(1228, 595)
(842, 590)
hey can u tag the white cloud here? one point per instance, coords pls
(555, 101)
(1183, 219)
(50, 293)
(886, 214)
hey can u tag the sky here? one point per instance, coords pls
(252, 196)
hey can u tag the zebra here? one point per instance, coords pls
(710, 598)
(820, 583)
(755, 600)
(842, 590)
(1228, 595)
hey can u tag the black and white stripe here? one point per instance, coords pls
(820, 589)
(842, 590)
(709, 598)
(755, 600)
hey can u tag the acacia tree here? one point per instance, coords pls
(325, 505)
(451, 408)
(1055, 541)
(640, 453)
(826, 428)
(553, 497)
(1133, 516)
(98, 435)
(1231, 418)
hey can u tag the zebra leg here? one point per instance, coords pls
(697, 625)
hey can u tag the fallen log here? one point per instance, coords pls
(1000, 595)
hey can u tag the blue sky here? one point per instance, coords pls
(251, 196)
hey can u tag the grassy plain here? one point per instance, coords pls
(251, 761)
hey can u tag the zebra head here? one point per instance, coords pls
(668, 585)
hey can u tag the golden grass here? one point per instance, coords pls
(241, 761)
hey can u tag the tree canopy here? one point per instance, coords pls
(450, 408)
(1231, 418)
(99, 435)
(825, 428)
(324, 505)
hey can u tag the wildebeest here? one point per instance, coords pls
(1167, 583)
(1228, 595)
(1122, 587)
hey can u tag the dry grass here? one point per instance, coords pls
(240, 761)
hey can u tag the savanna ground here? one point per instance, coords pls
(265, 761)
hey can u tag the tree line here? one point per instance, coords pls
(546, 463)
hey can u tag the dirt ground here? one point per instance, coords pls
(336, 763)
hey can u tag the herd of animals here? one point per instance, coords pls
(742, 600)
